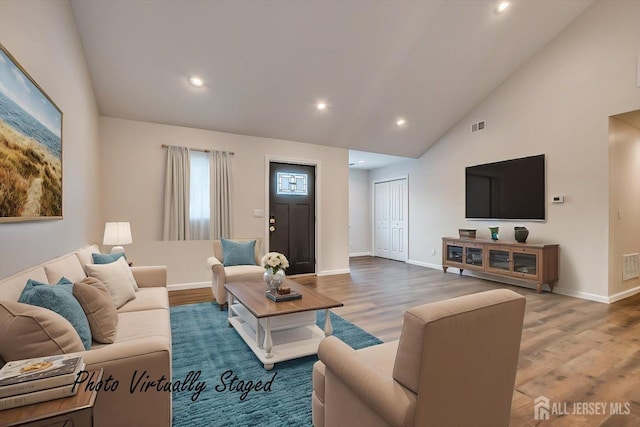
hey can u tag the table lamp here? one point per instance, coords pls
(117, 234)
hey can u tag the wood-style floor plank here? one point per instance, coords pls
(572, 350)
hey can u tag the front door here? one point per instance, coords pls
(292, 215)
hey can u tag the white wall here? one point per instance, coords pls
(133, 166)
(359, 213)
(558, 104)
(42, 36)
(624, 226)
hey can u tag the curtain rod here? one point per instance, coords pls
(200, 149)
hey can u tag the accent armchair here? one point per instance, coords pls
(222, 274)
(454, 365)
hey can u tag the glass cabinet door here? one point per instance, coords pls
(454, 253)
(525, 263)
(499, 259)
(474, 256)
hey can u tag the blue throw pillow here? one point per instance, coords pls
(238, 253)
(59, 298)
(107, 258)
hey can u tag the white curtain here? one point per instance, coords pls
(176, 195)
(200, 202)
(220, 194)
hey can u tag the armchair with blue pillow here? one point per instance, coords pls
(233, 261)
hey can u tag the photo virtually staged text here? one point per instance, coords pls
(142, 382)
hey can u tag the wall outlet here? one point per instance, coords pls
(433, 252)
(258, 213)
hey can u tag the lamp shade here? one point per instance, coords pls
(117, 233)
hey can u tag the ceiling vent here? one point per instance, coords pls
(477, 127)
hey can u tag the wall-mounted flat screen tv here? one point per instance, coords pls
(510, 189)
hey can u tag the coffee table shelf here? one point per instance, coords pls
(278, 331)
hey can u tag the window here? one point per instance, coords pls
(199, 195)
(292, 183)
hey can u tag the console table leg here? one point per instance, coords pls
(268, 342)
(461, 270)
(444, 269)
(551, 286)
(539, 287)
(328, 329)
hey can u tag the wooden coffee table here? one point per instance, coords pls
(278, 331)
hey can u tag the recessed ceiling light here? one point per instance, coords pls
(502, 6)
(360, 161)
(400, 122)
(321, 105)
(196, 81)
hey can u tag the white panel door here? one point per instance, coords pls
(381, 214)
(391, 208)
(398, 207)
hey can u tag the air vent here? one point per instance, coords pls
(630, 266)
(477, 127)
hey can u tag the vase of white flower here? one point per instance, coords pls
(274, 264)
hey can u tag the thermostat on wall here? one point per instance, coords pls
(558, 199)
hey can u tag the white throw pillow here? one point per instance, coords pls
(117, 278)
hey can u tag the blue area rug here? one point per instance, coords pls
(202, 342)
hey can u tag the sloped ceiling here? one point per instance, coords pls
(267, 63)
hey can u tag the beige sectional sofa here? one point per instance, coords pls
(142, 342)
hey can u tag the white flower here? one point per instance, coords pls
(274, 261)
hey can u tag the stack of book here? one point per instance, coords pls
(24, 382)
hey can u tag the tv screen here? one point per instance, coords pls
(511, 189)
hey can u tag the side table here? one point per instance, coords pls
(75, 411)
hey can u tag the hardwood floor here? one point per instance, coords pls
(572, 350)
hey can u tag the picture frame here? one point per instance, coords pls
(30, 147)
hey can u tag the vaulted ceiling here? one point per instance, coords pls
(266, 64)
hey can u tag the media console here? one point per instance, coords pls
(536, 263)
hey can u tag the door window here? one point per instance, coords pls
(292, 183)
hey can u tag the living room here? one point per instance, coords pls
(561, 102)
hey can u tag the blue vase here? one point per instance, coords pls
(494, 232)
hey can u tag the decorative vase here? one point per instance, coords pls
(521, 234)
(494, 232)
(273, 280)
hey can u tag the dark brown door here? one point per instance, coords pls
(292, 215)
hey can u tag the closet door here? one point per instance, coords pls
(391, 223)
(381, 215)
(398, 208)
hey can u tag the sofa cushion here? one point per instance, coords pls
(59, 299)
(115, 278)
(147, 299)
(68, 266)
(137, 325)
(96, 302)
(84, 255)
(11, 287)
(238, 253)
(242, 272)
(99, 258)
(28, 331)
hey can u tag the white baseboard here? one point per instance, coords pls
(556, 290)
(425, 264)
(185, 286)
(624, 294)
(332, 272)
(360, 254)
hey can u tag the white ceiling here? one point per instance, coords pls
(266, 64)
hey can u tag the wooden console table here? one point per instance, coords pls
(535, 263)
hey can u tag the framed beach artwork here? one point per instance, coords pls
(30, 147)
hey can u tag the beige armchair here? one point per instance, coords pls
(222, 274)
(454, 365)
